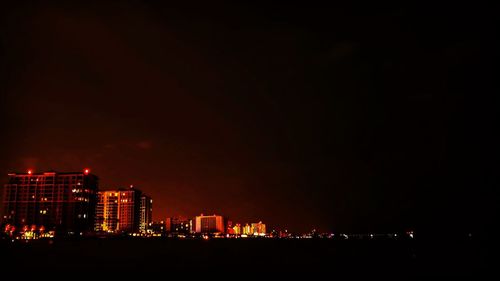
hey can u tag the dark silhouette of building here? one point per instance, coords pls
(64, 202)
(179, 225)
(158, 227)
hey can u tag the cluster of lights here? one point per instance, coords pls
(29, 232)
(86, 171)
(243, 231)
(144, 234)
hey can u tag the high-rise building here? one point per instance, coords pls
(146, 213)
(64, 202)
(179, 225)
(106, 218)
(120, 210)
(258, 229)
(209, 224)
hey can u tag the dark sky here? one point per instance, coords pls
(323, 117)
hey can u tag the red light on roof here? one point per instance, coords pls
(30, 172)
(86, 171)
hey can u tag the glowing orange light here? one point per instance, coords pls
(30, 172)
(86, 171)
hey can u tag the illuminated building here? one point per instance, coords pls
(230, 229)
(146, 213)
(120, 210)
(64, 202)
(237, 229)
(258, 229)
(209, 224)
(106, 218)
(179, 225)
(158, 227)
(247, 229)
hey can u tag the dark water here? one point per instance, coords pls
(391, 258)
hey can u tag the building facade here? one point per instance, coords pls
(237, 229)
(63, 202)
(258, 229)
(157, 227)
(179, 225)
(247, 229)
(121, 210)
(146, 213)
(209, 224)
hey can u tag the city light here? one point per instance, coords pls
(115, 212)
(274, 139)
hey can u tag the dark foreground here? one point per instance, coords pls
(391, 258)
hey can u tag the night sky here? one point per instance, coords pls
(334, 118)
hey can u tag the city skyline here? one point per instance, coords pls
(238, 138)
(113, 210)
(336, 118)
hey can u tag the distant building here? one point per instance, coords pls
(179, 225)
(146, 213)
(229, 229)
(258, 229)
(64, 202)
(158, 227)
(122, 210)
(247, 229)
(237, 229)
(209, 224)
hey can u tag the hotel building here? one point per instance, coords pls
(146, 213)
(64, 202)
(122, 210)
(209, 224)
(258, 229)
